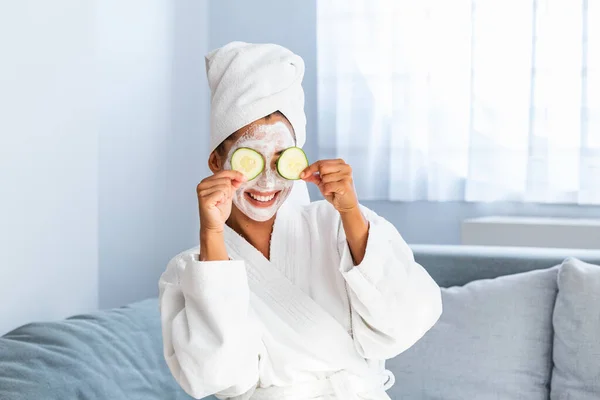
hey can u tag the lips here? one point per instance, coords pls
(261, 199)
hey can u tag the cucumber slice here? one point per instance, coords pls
(291, 163)
(247, 161)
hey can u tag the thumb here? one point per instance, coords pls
(314, 178)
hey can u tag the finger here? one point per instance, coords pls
(236, 184)
(339, 187)
(334, 177)
(324, 166)
(316, 179)
(333, 161)
(217, 181)
(216, 198)
(311, 169)
(231, 174)
(226, 189)
(332, 168)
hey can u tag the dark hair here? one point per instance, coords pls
(221, 147)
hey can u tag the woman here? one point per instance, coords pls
(280, 300)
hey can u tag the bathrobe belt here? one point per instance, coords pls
(342, 384)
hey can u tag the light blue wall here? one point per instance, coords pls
(293, 24)
(48, 162)
(153, 134)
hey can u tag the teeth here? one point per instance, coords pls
(262, 198)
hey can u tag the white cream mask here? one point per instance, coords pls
(261, 197)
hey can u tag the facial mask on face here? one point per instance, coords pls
(269, 187)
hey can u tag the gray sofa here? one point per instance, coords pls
(505, 338)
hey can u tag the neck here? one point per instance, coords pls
(258, 234)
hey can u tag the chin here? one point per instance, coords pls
(261, 205)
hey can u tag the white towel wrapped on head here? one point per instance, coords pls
(250, 81)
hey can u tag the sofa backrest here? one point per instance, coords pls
(111, 354)
(453, 265)
(117, 354)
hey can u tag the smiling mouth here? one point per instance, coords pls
(261, 200)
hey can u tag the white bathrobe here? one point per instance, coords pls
(306, 324)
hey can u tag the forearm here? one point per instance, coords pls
(393, 299)
(212, 246)
(210, 341)
(356, 228)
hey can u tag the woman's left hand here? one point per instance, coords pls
(334, 179)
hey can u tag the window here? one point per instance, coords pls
(474, 100)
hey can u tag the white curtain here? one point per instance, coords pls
(469, 100)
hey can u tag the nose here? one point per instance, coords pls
(267, 178)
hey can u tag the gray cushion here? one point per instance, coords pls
(576, 373)
(493, 341)
(114, 354)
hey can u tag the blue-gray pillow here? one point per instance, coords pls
(108, 355)
(576, 373)
(493, 341)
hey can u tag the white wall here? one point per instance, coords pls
(440, 223)
(153, 134)
(48, 161)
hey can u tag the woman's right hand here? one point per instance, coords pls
(215, 195)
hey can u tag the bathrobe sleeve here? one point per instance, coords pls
(394, 301)
(210, 340)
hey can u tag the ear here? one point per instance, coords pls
(214, 162)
